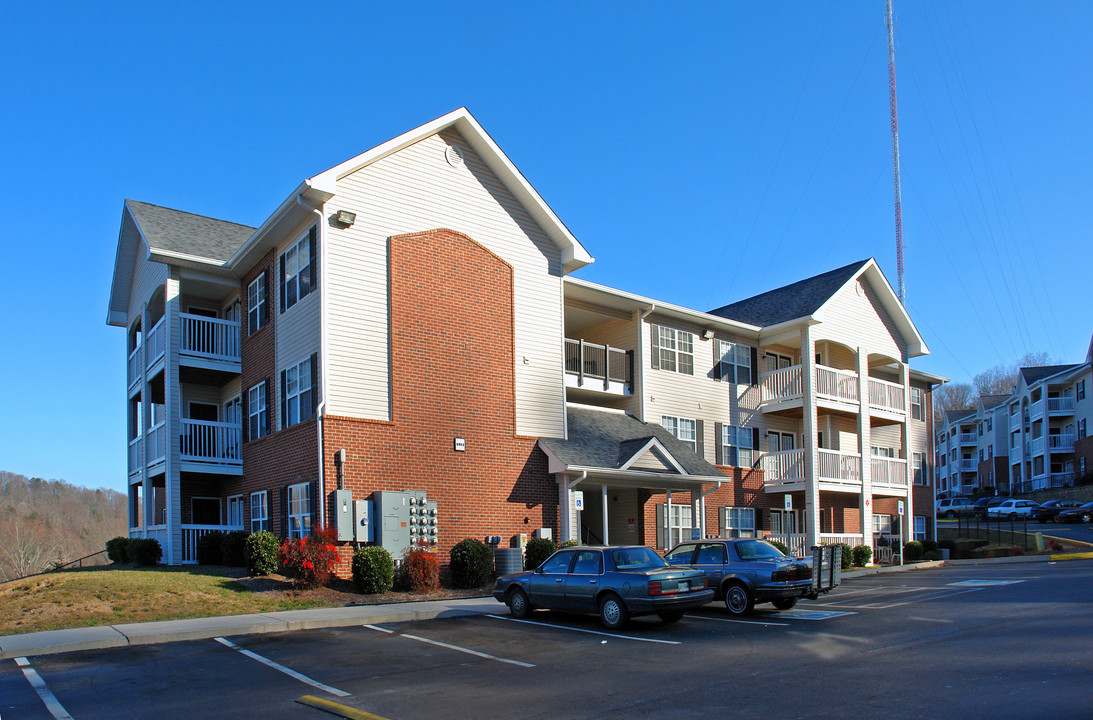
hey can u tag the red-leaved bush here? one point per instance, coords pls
(420, 571)
(310, 561)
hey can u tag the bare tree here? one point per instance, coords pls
(953, 396)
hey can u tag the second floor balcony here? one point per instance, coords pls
(204, 446)
(834, 388)
(600, 368)
(208, 341)
(1060, 406)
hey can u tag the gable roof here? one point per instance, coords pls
(953, 416)
(992, 401)
(1033, 375)
(179, 233)
(609, 439)
(796, 300)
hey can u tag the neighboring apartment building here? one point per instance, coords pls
(404, 322)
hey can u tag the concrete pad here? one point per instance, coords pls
(49, 642)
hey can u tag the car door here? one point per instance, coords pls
(710, 559)
(583, 581)
(547, 588)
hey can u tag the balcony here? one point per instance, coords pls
(785, 467)
(967, 439)
(839, 468)
(156, 443)
(836, 385)
(209, 342)
(1060, 406)
(600, 368)
(835, 389)
(207, 446)
(891, 472)
(132, 372)
(156, 344)
(192, 533)
(1061, 443)
(1015, 423)
(135, 465)
(1036, 409)
(967, 465)
(886, 396)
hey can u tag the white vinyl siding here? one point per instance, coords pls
(298, 333)
(859, 320)
(413, 190)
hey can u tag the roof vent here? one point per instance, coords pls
(453, 156)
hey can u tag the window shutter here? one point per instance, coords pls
(758, 522)
(718, 445)
(269, 407)
(281, 283)
(245, 405)
(314, 383)
(284, 399)
(313, 258)
(700, 444)
(717, 354)
(313, 488)
(755, 447)
(264, 312)
(654, 359)
(754, 366)
(284, 511)
(245, 304)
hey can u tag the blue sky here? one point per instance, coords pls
(702, 152)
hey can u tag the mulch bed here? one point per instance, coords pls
(342, 592)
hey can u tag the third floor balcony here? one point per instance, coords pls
(598, 368)
(835, 389)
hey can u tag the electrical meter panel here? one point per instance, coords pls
(405, 520)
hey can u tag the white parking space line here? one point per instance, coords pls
(883, 605)
(731, 620)
(583, 630)
(457, 648)
(984, 583)
(287, 671)
(55, 708)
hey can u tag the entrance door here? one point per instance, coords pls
(777, 441)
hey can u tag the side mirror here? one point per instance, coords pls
(539, 570)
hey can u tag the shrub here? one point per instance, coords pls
(780, 545)
(233, 548)
(569, 543)
(208, 548)
(946, 544)
(373, 570)
(419, 571)
(862, 554)
(471, 563)
(928, 546)
(310, 561)
(260, 552)
(538, 550)
(912, 551)
(931, 555)
(144, 551)
(848, 557)
(117, 549)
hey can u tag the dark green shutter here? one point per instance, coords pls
(281, 283)
(654, 358)
(284, 511)
(314, 383)
(284, 399)
(719, 448)
(313, 258)
(700, 440)
(264, 312)
(754, 366)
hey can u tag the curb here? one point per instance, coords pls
(1022, 559)
(882, 569)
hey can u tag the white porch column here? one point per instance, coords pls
(603, 510)
(148, 492)
(810, 439)
(565, 509)
(865, 441)
(667, 520)
(172, 398)
(907, 522)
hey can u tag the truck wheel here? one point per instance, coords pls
(738, 599)
(784, 603)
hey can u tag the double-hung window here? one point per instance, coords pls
(918, 462)
(735, 363)
(920, 527)
(297, 392)
(678, 525)
(257, 411)
(257, 303)
(882, 524)
(676, 350)
(235, 511)
(685, 429)
(299, 510)
(736, 446)
(1079, 390)
(259, 511)
(918, 404)
(298, 271)
(737, 522)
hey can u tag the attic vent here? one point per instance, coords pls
(453, 156)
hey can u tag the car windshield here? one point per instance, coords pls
(637, 558)
(757, 550)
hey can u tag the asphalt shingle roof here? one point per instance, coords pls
(608, 439)
(992, 401)
(181, 232)
(1032, 374)
(790, 302)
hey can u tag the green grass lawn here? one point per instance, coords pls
(110, 596)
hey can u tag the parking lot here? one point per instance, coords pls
(974, 641)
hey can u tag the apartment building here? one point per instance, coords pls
(406, 321)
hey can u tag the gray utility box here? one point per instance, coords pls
(404, 520)
(353, 518)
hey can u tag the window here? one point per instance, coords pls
(920, 527)
(1080, 390)
(259, 511)
(297, 395)
(258, 411)
(681, 555)
(558, 562)
(235, 511)
(679, 526)
(737, 522)
(1081, 428)
(990, 452)
(887, 452)
(299, 510)
(735, 362)
(298, 276)
(675, 350)
(918, 404)
(882, 524)
(257, 304)
(990, 424)
(683, 428)
(918, 464)
(736, 446)
(589, 562)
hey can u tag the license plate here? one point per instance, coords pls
(684, 586)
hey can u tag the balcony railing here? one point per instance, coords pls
(967, 439)
(156, 446)
(794, 542)
(1061, 443)
(135, 464)
(848, 540)
(838, 467)
(156, 344)
(781, 385)
(1036, 409)
(213, 442)
(192, 533)
(884, 395)
(834, 384)
(1015, 422)
(599, 365)
(1060, 406)
(967, 465)
(209, 337)
(888, 471)
(133, 367)
(1034, 446)
(784, 467)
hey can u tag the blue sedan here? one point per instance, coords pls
(616, 582)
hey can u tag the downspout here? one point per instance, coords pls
(321, 407)
(641, 361)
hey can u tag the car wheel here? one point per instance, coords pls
(671, 616)
(1086, 517)
(783, 603)
(613, 613)
(738, 599)
(518, 603)
(950, 515)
